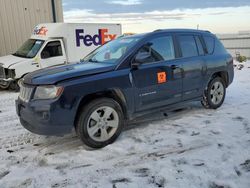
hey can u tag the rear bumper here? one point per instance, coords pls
(43, 118)
(230, 75)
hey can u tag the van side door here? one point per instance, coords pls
(194, 67)
(53, 54)
(157, 80)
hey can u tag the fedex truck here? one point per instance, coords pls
(54, 44)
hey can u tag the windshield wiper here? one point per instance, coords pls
(92, 61)
(18, 55)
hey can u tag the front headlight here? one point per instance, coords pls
(48, 92)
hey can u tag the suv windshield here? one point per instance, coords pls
(112, 51)
(29, 49)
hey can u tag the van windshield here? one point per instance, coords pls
(112, 51)
(29, 49)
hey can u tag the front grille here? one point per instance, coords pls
(25, 92)
(2, 72)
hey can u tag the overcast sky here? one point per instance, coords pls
(218, 16)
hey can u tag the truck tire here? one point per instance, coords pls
(214, 94)
(100, 122)
(4, 87)
(14, 86)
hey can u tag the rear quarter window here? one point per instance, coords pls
(219, 48)
(209, 41)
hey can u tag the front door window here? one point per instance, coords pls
(52, 49)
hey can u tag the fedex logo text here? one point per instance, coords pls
(40, 31)
(99, 39)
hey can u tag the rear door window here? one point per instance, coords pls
(188, 45)
(209, 41)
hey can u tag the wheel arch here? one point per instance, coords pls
(223, 75)
(115, 94)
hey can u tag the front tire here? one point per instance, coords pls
(14, 86)
(4, 87)
(100, 122)
(214, 94)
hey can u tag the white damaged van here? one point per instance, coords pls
(53, 44)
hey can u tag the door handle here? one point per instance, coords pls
(174, 67)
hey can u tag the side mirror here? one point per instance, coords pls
(140, 58)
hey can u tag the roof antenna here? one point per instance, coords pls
(198, 26)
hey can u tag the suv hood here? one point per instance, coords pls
(53, 75)
(8, 60)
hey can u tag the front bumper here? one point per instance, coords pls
(43, 117)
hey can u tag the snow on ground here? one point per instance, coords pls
(193, 147)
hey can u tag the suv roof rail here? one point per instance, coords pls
(158, 30)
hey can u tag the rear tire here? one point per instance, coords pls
(100, 122)
(214, 94)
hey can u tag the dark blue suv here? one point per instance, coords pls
(124, 79)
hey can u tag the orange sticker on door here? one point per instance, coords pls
(161, 77)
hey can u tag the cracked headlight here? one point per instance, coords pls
(48, 92)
